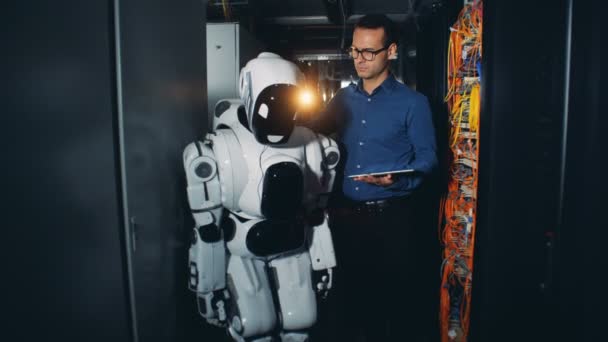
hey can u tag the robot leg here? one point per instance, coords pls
(294, 337)
(238, 338)
(297, 299)
(251, 313)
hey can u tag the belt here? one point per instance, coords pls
(379, 205)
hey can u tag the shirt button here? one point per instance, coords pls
(357, 188)
(369, 100)
(362, 121)
(360, 143)
(358, 166)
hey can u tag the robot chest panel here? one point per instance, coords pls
(282, 190)
(275, 182)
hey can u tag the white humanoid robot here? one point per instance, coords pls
(261, 251)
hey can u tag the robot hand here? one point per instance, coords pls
(323, 281)
(213, 307)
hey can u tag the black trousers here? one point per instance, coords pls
(375, 287)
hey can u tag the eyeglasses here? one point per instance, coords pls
(367, 54)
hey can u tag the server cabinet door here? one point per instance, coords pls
(61, 195)
(162, 59)
(520, 170)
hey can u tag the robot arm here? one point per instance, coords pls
(207, 254)
(321, 245)
(323, 257)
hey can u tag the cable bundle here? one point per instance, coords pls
(227, 10)
(457, 226)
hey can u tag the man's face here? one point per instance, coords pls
(370, 39)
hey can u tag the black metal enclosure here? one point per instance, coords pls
(540, 231)
(102, 98)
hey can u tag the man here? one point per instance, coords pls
(383, 126)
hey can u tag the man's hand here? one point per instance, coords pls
(385, 180)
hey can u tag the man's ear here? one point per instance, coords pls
(392, 51)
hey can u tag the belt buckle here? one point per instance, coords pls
(374, 206)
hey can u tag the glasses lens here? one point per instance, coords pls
(367, 55)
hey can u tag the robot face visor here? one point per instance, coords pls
(274, 112)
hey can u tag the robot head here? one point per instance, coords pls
(268, 86)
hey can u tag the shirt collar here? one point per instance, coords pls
(388, 84)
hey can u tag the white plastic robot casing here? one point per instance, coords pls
(240, 162)
(265, 70)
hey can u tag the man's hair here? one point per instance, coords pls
(374, 21)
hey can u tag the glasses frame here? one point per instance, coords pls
(351, 50)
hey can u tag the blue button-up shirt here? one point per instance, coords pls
(390, 129)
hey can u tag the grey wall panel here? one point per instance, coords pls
(222, 63)
(64, 269)
(229, 47)
(164, 107)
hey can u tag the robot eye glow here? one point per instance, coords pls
(305, 98)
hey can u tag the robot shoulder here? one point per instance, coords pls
(226, 114)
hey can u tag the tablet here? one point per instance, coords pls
(382, 173)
